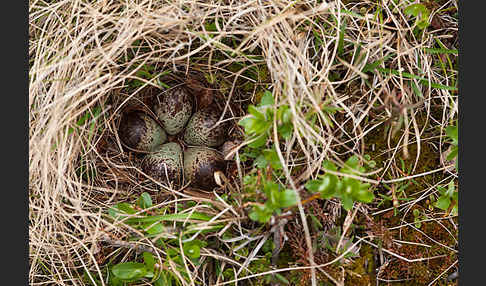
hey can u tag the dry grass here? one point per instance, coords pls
(82, 59)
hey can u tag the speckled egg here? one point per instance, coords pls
(165, 164)
(202, 130)
(200, 163)
(140, 132)
(174, 108)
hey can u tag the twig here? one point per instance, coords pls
(401, 257)
(443, 272)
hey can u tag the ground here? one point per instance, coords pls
(340, 170)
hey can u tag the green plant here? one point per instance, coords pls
(452, 133)
(331, 239)
(347, 189)
(418, 217)
(421, 13)
(449, 199)
(152, 224)
(258, 123)
(148, 72)
(399, 193)
(277, 198)
(258, 126)
(135, 272)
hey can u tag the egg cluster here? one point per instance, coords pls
(167, 162)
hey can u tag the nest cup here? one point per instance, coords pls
(183, 116)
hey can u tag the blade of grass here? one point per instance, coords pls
(421, 79)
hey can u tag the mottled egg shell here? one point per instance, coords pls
(165, 164)
(200, 163)
(202, 130)
(174, 108)
(139, 131)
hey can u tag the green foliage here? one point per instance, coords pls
(270, 156)
(136, 272)
(88, 116)
(192, 248)
(453, 135)
(330, 241)
(85, 170)
(349, 190)
(422, 80)
(145, 201)
(153, 225)
(129, 271)
(148, 72)
(417, 218)
(400, 195)
(258, 123)
(449, 199)
(276, 200)
(421, 13)
(327, 112)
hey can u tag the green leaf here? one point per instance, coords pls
(288, 198)
(163, 280)
(260, 213)
(171, 217)
(453, 133)
(353, 162)
(422, 24)
(284, 114)
(313, 185)
(272, 158)
(172, 253)
(328, 165)
(326, 186)
(455, 210)
(347, 201)
(255, 112)
(246, 122)
(154, 229)
(267, 99)
(416, 10)
(254, 125)
(192, 249)
(417, 221)
(145, 201)
(273, 199)
(125, 208)
(416, 212)
(259, 142)
(453, 153)
(443, 203)
(149, 260)
(341, 37)
(282, 279)
(260, 162)
(285, 130)
(450, 189)
(119, 210)
(129, 270)
(363, 195)
(412, 76)
(270, 187)
(351, 186)
(114, 281)
(441, 51)
(372, 66)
